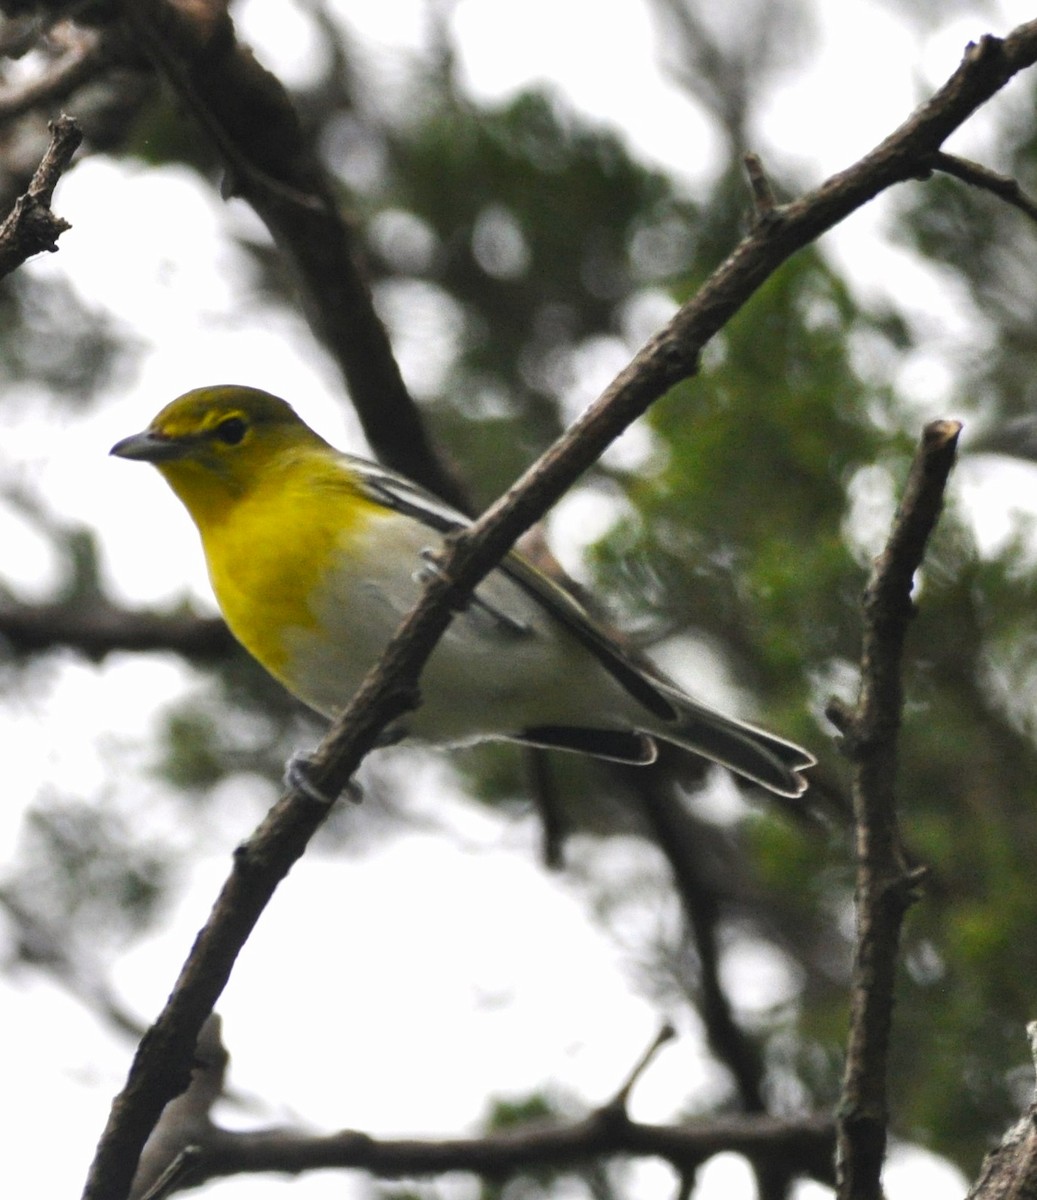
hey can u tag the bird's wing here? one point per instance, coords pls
(570, 613)
(400, 494)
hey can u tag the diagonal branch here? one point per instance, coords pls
(161, 1068)
(886, 883)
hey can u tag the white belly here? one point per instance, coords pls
(503, 665)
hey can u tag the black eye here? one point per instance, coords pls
(231, 431)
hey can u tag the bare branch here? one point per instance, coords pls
(1003, 186)
(188, 1148)
(99, 628)
(886, 883)
(31, 227)
(760, 186)
(807, 1143)
(161, 1068)
(620, 1100)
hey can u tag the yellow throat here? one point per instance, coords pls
(274, 503)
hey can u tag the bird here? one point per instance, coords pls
(315, 556)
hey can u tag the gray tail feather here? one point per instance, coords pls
(753, 753)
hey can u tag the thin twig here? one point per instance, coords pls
(760, 186)
(1003, 186)
(622, 1097)
(181, 1173)
(197, 1150)
(886, 883)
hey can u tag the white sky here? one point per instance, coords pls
(514, 984)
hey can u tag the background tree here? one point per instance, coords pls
(519, 254)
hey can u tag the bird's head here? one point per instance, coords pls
(214, 444)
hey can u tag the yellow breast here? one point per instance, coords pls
(270, 551)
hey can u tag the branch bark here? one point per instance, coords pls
(187, 1148)
(1003, 186)
(100, 628)
(31, 227)
(766, 1141)
(161, 1068)
(886, 883)
(1010, 1171)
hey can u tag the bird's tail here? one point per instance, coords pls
(753, 753)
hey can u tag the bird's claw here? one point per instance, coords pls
(430, 568)
(298, 776)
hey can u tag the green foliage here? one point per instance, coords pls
(742, 509)
(983, 247)
(84, 877)
(743, 514)
(192, 755)
(72, 368)
(523, 1112)
(508, 1114)
(534, 222)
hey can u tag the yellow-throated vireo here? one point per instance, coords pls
(315, 556)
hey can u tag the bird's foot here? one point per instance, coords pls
(298, 775)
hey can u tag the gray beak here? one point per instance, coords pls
(149, 447)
